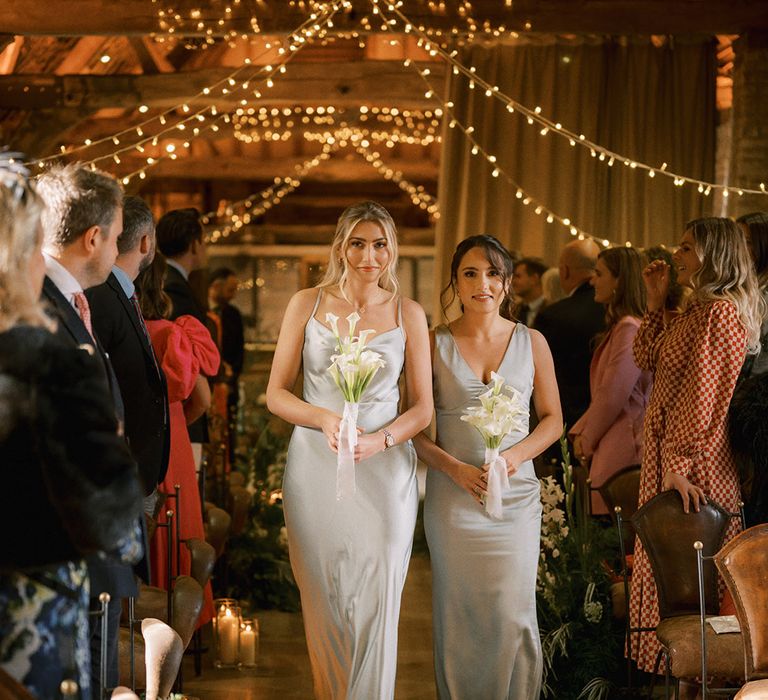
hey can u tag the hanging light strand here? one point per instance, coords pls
(300, 37)
(258, 203)
(548, 126)
(476, 149)
(417, 193)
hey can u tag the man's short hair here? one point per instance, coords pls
(177, 230)
(137, 221)
(533, 266)
(220, 273)
(77, 198)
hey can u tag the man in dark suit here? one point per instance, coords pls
(222, 287)
(526, 283)
(570, 326)
(180, 239)
(81, 223)
(120, 327)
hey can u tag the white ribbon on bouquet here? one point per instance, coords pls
(498, 480)
(345, 462)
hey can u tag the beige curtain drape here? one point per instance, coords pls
(653, 104)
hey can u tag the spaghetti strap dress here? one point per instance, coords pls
(350, 557)
(486, 635)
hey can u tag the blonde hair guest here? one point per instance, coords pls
(22, 267)
(696, 357)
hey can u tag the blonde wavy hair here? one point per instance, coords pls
(20, 235)
(337, 273)
(727, 272)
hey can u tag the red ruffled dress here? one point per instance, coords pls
(184, 349)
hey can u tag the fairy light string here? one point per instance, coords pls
(271, 196)
(527, 199)
(549, 126)
(228, 85)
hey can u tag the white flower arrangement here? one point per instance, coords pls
(354, 366)
(352, 369)
(502, 410)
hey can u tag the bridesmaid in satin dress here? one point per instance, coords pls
(350, 556)
(486, 636)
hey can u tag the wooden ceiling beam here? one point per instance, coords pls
(139, 17)
(338, 83)
(335, 169)
(10, 54)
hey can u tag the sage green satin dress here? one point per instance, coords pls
(350, 557)
(486, 636)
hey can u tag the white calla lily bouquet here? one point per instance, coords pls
(502, 410)
(352, 369)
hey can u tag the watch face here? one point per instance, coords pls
(389, 440)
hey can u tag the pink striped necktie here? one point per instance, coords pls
(84, 310)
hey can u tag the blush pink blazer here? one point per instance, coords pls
(612, 428)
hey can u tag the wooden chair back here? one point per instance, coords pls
(743, 563)
(667, 534)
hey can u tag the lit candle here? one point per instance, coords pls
(249, 640)
(228, 637)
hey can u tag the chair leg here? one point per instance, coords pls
(667, 676)
(656, 665)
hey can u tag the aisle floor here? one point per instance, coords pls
(283, 668)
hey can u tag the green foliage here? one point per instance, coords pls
(580, 641)
(259, 570)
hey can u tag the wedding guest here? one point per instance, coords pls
(755, 228)
(118, 323)
(526, 284)
(609, 436)
(75, 489)
(350, 556)
(180, 239)
(695, 358)
(676, 296)
(486, 637)
(222, 287)
(82, 220)
(551, 287)
(570, 326)
(747, 425)
(186, 354)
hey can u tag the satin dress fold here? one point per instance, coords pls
(486, 635)
(350, 557)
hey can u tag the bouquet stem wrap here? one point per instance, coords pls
(498, 479)
(345, 463)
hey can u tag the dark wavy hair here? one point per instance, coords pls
(153, 301)
(626, 265)
(497, 255)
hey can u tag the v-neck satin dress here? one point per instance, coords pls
(486, 636)
(350, 557)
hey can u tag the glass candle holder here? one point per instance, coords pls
(226, 632)
(249, 642)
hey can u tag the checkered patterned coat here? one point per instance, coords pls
(696, 359)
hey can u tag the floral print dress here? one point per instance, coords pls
(44, 637)
(696, 359)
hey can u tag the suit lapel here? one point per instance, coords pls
(131, 312)
(70, 320)
(66, 315)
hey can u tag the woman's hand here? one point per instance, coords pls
(471, 479)
(656, 278)
(369, 445)
(685, 488)
(330, 424)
